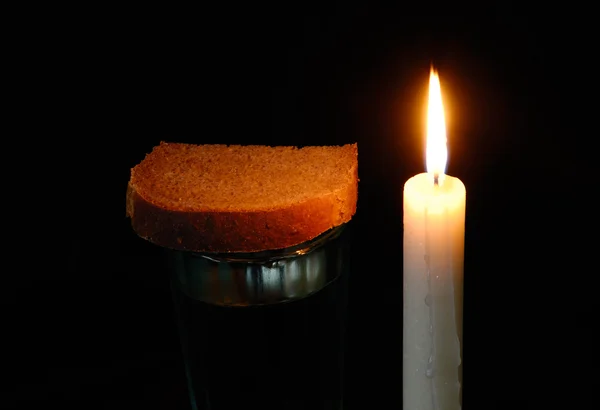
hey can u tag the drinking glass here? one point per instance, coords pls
(264, 330)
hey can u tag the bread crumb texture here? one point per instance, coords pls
(232, 198)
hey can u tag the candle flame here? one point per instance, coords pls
(437, 151)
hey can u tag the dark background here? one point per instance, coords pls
(97, 327)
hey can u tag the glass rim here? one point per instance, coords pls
(272, 254)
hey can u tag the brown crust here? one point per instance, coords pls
(241, 231)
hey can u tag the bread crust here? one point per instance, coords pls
(249, 231)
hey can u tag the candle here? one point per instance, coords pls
(434, 227)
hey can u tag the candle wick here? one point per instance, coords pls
(436, 179)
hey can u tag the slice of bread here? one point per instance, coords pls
(220, 198)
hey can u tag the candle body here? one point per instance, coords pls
(434, 226)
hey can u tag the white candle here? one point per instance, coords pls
(434, 228)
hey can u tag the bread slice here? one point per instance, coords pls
(220, 198)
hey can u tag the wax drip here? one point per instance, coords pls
(429, 371)
(429, 302)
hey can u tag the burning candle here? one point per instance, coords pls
(434, 228)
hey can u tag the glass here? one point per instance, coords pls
(264, 330)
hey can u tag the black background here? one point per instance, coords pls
(95, 322)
